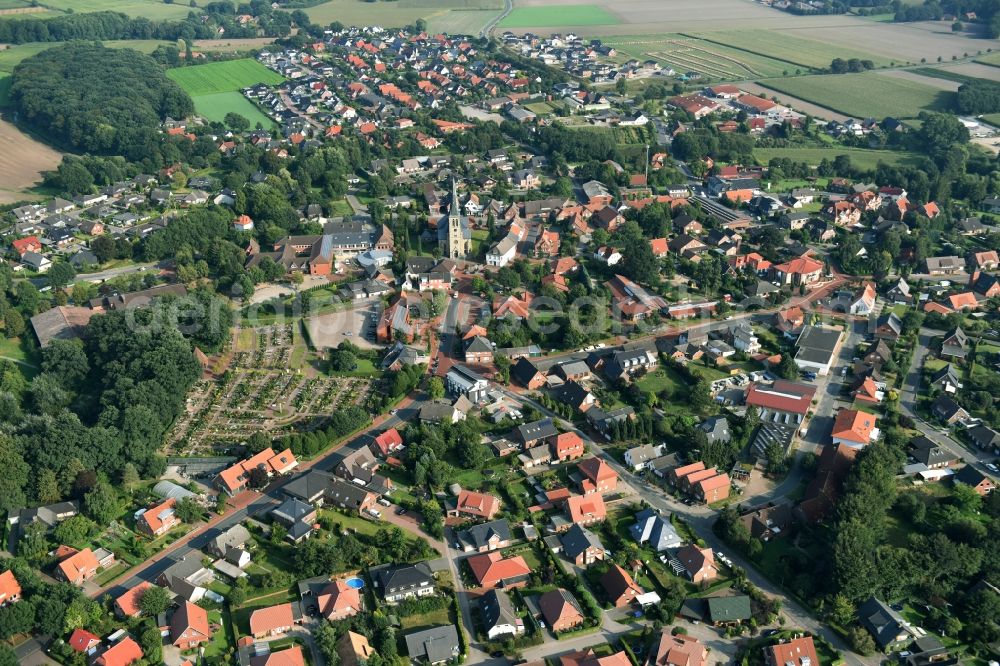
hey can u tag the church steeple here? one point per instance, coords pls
(455, 209)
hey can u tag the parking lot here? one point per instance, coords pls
(356, 324)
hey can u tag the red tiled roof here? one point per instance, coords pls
(266, 620)
(389, 441)
(800, 266)
(129, 602)
(9, 587)
(82, 640)
(191, 620)
(784, 396)
(155, 516)
(477, 504)
(492, 568)
(597, 470)
(795, 651)
(78, 564)
(123, 653)
(585, 508)
(854, 426)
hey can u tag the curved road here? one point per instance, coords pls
(508, 7)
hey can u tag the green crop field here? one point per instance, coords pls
(990, 59)
(217, 77)
(864, 95)
(439, 14)
(782, 46)
(686, 54)
(216, 105)
(860, 157)
(558, 16)
(11, 56)
(14, 4)
(151, 9)
(461, 22)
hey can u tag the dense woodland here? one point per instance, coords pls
(98, 100)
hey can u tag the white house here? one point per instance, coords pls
(503, 252)
(640, 457)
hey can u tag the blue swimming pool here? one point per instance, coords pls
(355, 583)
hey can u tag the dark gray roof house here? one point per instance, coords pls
(984, 437)
(536, 431)
(577, 539)
(930, 454)
(435, 645)
(955, 344)
(716, 429)
(885, 625)
(394, 581)
(480, 536)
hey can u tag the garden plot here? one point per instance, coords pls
(267, 389)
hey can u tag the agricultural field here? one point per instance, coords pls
(404, 12)
(151, 9)
(559, 15)
(461, 22)
(216, 105)
(991, 59)
(228, 76)
(22, 161)
(686, 54)
(864, 95)
(860, 157)
(782, 46)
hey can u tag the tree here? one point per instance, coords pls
(101, 503)
(343, 360)
(786, 367)
(47, 487)
(16, 618)
(257, 442)
(74, 530)
(966, 498)
(435, 388)
(61, 274)
(14, 479)
(861, 641)
(103, 248)
(13, 322)
(154, 600)
(189, 511)
(34, 542)
(67, 360)
(257, 478)
(152, 645)
(236, 122)
(130, 477)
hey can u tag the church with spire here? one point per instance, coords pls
(454, 230)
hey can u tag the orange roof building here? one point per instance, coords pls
(854, 428)
(189, 626)
(476, 505)
(10, 589)
(598, 477)
(679, 650)
(964, 301)
(158, 519)
(494, 570)
(127, 605)
(698, 563)
(272, 620)
(586, 509)
(236, 478)
(620, 587)
(78, 567)
(289, 657)
(122, 653)
(798, 651)
(338, 601)
(567, 446)
(713, 489)
(83, 641)
(388, 442)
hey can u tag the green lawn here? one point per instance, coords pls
(783, 46)
(862, 158)
(432, 618)
(221, 640)
(864, 95)
(227, 76)
(558, 15)
(215, 106)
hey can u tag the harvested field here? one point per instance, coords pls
(461, 22)
(687, 54)
(974, 69)
(22, 161)
(782, 46)
(932, 81)
(864, 95)
(227, 76)
(559, 15)
(151, 9)
(20, 10)
(398, 13)
(231, 45)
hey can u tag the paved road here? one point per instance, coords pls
(908, 403)
(261, 504)
(101, 276)
(701, 519)
(508, 6)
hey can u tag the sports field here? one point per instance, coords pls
(686, 54)
(217, 77)
(864, 95)
(560, 15)
(151, 9)
(783, 46)
(860, 157)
